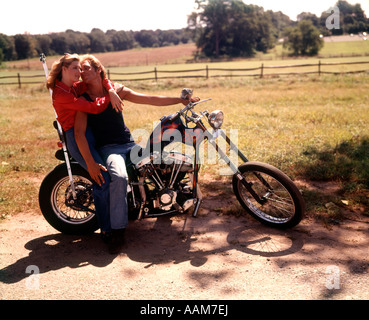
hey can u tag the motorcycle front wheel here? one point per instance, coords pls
(65, 214)
(279, 204)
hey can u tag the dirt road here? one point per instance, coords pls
(209, 257)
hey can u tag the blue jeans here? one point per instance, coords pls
(115, 157)
(101, 193)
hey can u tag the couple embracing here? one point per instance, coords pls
(91, 115)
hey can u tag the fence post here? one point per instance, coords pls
(156, 74)
(19, 81)
(319, 66)
(262, 70)
(108, 74)
(207, 72)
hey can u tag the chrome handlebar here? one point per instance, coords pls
(195, 116)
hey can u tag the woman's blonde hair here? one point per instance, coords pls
(95, 63)
(57, 67)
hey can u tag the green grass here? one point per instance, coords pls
(310, 127)
(218, 69)
(332, 52)
(330, 49)
(313, 128)
(345, 48)
(293, 67)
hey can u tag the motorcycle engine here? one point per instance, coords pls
(167, 173)
(167, 198)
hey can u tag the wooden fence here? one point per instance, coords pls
(260, 72)
(205, 73)
(19, 78)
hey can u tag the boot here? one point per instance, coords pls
(106, 237)
(117, 241)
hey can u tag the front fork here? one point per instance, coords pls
(66, 157)
(237, 173)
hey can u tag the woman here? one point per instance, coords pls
(64, 81)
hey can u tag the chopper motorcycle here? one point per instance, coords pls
(166, 182)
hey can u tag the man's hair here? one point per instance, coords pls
(95, 63)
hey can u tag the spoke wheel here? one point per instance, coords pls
(65, 214)
(280, 203)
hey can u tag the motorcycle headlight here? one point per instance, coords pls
(216, 119)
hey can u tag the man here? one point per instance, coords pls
(113, 141)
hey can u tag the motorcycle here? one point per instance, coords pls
(166, 182)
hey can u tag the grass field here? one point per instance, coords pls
(177, 58)
(336, 46)
(216, 69)
(311, 127)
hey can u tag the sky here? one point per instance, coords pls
(42, 17)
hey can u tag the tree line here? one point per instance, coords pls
(220, 28)
(24, 46)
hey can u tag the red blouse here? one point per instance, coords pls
(66, 102)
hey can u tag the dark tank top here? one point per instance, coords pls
(108, 127)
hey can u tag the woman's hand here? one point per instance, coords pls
(118, 87)
(116, 101)
(94, 169)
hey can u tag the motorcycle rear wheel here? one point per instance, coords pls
(54, 200)
(282, 203)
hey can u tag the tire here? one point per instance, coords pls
(54, 200)
(283, 205)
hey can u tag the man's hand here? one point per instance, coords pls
(193, 99)
(94, 169)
